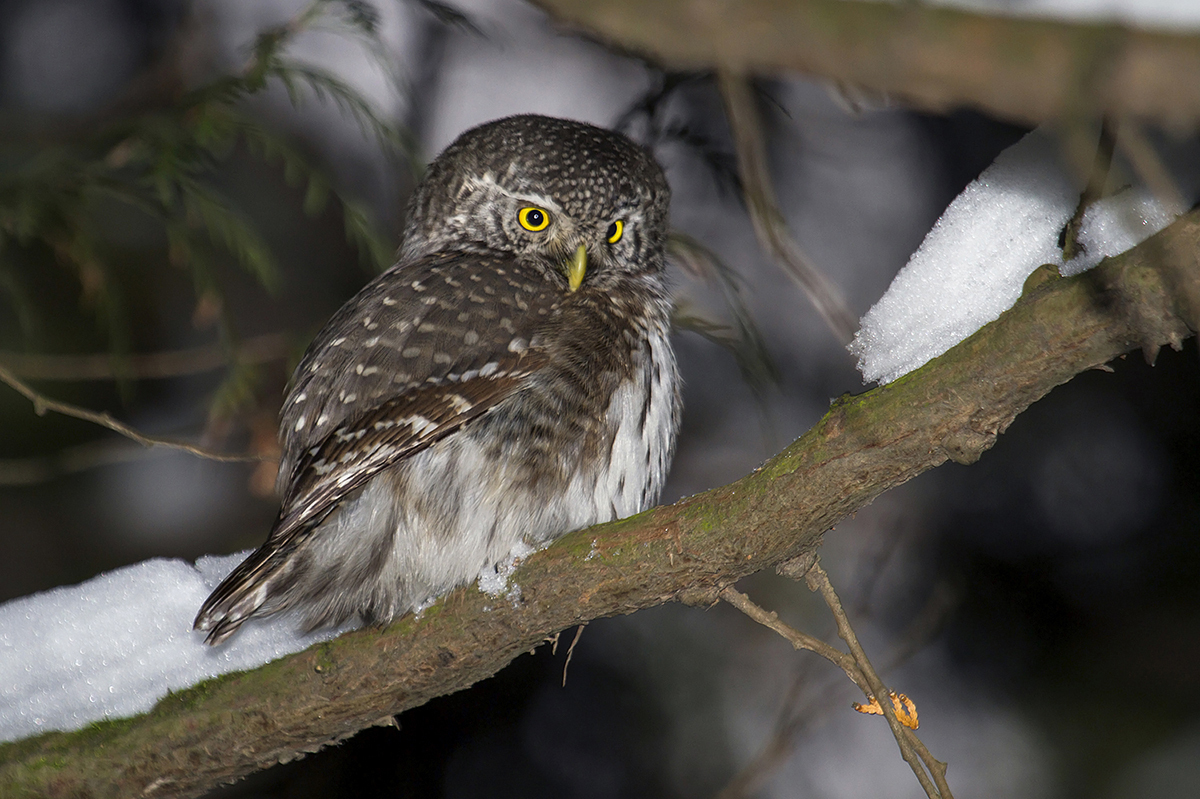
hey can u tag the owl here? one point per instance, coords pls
(509, 380)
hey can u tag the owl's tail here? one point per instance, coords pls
(245, 593)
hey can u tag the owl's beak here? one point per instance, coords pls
(576, 268)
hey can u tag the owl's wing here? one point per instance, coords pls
(391, 374)
(398, 429)
(443, 319)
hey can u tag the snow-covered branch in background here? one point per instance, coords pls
(1022, 69)
(972, 265)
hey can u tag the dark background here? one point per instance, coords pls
(1059, 574)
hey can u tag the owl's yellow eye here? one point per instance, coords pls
(614, 231)
(534, 219)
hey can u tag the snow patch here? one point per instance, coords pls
(113, 646)
(494, 580)
(973, 263)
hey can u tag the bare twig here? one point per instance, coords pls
(1149, 166)
(571, 651)
(918, 758)
(150, 366)
(41, 404)
(798, 639)
(858, 669)
(1094, 190)
(794, 716)
(763, 206)
(792, 720)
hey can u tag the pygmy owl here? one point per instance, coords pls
(509, 380)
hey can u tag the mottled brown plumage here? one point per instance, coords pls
(470, 399)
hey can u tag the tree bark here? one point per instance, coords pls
(951, 409)
(1025, 70)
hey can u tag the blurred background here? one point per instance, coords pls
(188, 190)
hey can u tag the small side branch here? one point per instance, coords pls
(571, 651)
(1149, 167)
(798, 639)
(1094, 191)
(769, 225)
(911, 749)
(858, 668)
(42, 404)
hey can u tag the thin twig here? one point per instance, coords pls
(571, 651)
(769, 224)
(41, 404)
(1149, 166)
(936, 788)
(858, 668)
(794, 716)
(798, 639)
(149, 366)
(936, 767)
(1094, 190)
(792, 721)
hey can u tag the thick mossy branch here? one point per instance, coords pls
(1027, 70)
(952, 408)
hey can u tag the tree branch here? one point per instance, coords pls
(933, 782)
(41, 404)
(857, 667)
(796, 715)
(1027, 70)
(951, 409)
(797, 638)
(144, 366)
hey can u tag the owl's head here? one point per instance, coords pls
(553, 192)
